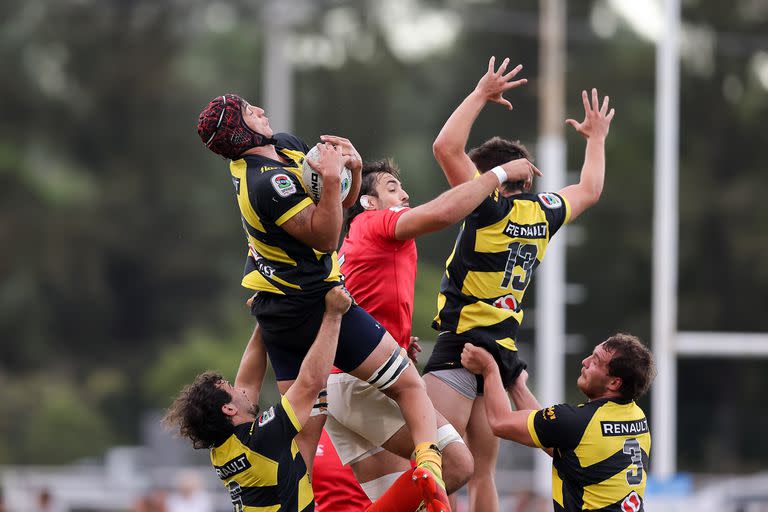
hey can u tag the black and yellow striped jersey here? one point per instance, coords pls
(601, 454)
(499, 246)
(269, 193)
(261, 466)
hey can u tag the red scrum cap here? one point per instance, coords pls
(223, 131)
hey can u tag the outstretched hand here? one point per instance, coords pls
(495, 83)
(597, 118)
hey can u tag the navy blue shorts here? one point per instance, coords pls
(290, 323)
(447, 355)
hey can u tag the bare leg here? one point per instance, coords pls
(454, 406)
(484, 446)
(408, 391)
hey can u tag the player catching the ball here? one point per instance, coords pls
(291, 264)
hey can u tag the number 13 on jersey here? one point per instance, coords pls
(523, 256)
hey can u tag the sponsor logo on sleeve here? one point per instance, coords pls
(283, 185)
(550, 200)
(548, 413)
(267, 416)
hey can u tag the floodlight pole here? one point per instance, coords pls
(550, 279)
(277, 69)
(665, 243)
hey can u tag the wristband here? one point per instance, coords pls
(500, 173)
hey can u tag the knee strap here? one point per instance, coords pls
(447, 435)
(390, 371)
(321, 404)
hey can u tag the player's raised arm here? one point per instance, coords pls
(504, 422)
(453, 205)
(353, 162)
(450, 143)
(594, 128)
(253, 366)
(320, 226)
(317, 363)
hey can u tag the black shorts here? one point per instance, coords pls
(290, 323)
(447, 356)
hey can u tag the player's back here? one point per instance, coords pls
(498, 249)
(601, 454)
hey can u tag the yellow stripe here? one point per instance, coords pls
(335, 275)
(238, 168)
(295, 155)
(305, 492)
(293, 211)
(271, 508)
(609, 491)
(557, 487)
(487, 285)
(289, 410)
(508, 343)
(441, 299)
(263, 470)
(481, 314)
(567, 210)
(271, 252)
(532, 429)
(590, 453)
(256, 281)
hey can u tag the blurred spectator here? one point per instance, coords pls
(152, 501)
(45, 502)
(190, 496)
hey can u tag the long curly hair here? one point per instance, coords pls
(197, 412)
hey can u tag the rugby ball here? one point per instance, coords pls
(313, 182)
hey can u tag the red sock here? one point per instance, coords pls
(402, 496)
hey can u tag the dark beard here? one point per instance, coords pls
(254, 410)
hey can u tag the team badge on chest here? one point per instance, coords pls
(283, 185)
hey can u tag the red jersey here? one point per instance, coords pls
(380, 270)
(334, 485)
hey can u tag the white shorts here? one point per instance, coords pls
(360, 417)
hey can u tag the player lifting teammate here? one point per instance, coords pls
(291, 263)
(497, 251)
